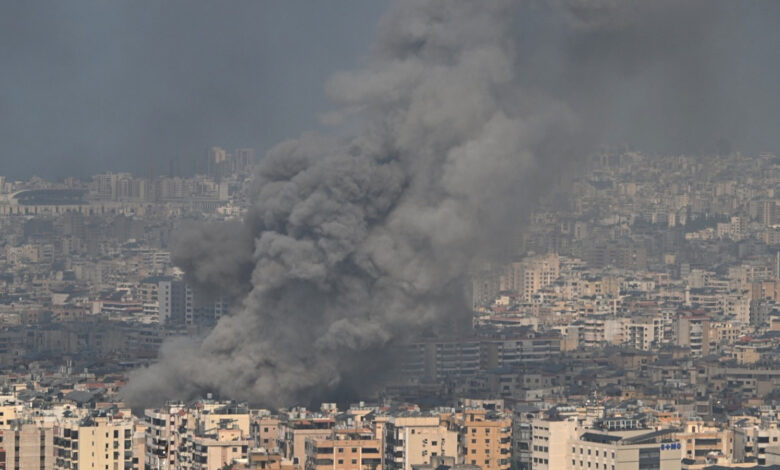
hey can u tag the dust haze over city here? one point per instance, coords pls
(424, 234)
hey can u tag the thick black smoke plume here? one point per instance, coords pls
(464, 113)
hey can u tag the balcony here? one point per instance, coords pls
(371, 463)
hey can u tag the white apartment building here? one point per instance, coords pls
(563, 445)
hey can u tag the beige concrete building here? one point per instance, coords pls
(261, 459)
(347, 450)
(550, 442)
(213, 452)
(486, 439)
(530, 275)
(94, 443)
(161, 435)
(301, 430)
(269, 432)
(415, 439)
(693, 331)
(222, 419)
(28, 446)
(8, 412)
(699, 440)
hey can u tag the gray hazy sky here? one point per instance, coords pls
(88, 86)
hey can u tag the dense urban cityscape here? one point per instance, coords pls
(639, 316)
(404, 235)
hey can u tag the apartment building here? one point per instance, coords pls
(693, 331)
(213, 451)
(486, 438)
(163, 435)
(413, 440)
(531, 275)
(698, 440)
(550, 441)
(269, 432)
(356, 449)
(440, 359)
(28, 446)
(753, 439)
(94, 443)
(298, 431)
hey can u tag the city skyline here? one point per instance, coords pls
(413, 235)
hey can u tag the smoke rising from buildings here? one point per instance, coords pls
(464, 113)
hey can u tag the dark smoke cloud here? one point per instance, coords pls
(465, 113)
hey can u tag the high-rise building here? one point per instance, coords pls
(414, 440)
(162, 429)
(299, 431)
(530, 275)
(486, 438)
(28, 445)
(693, 331)
(244, 159)
(172, 301)
(218, 449)
(94, 443)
